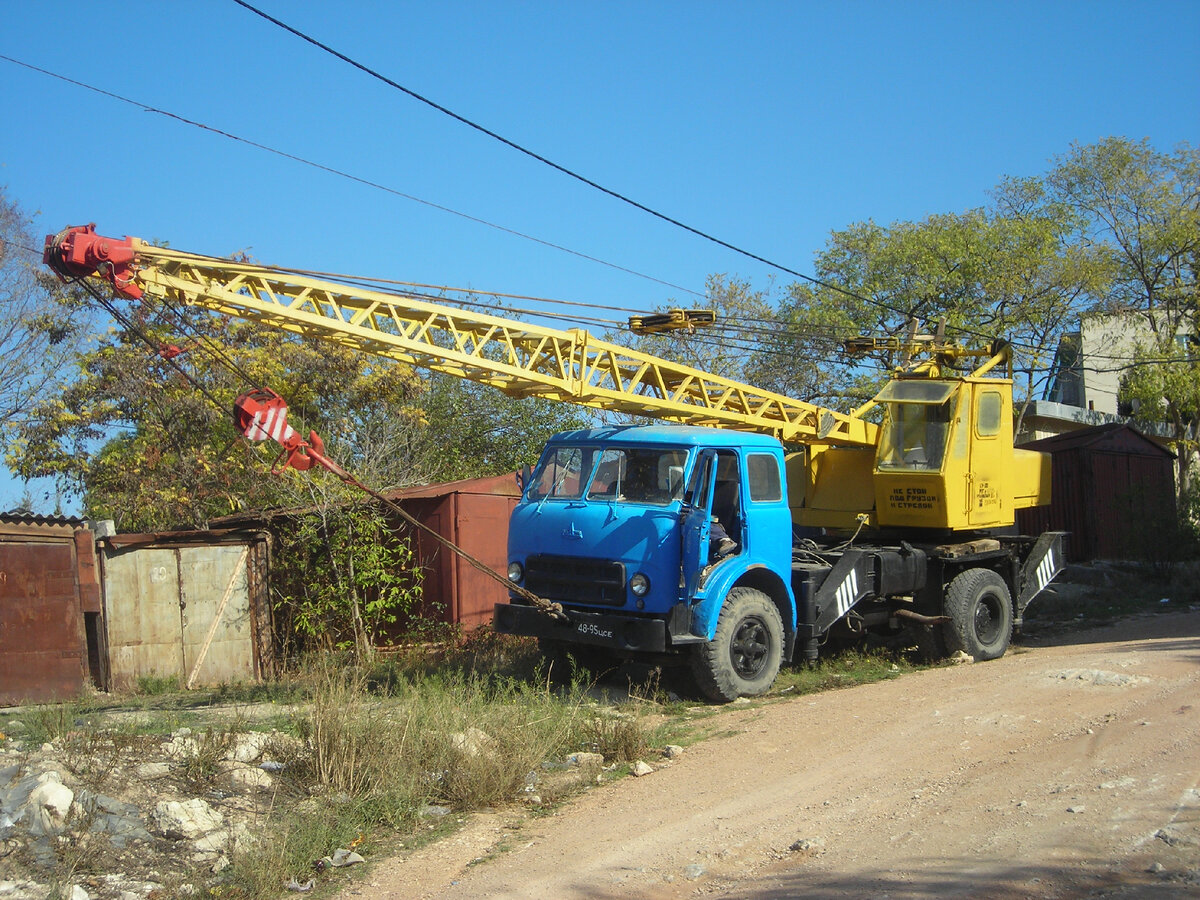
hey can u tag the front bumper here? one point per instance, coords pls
(600, 629)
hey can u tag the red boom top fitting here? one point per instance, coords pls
(80, 252)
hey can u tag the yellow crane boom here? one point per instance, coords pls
(518, 358)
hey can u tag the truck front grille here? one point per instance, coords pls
(574, 579)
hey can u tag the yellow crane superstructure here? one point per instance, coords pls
(943, 457)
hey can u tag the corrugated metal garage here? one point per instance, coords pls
(1110, 487)
(191, 605)
(51, 633)
(473, 514)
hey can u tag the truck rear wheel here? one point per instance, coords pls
(743, 657)
(981, 614)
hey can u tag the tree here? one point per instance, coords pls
(343, 576)
(153, 447)
(743, 317)
(474, 430)
(37, 335)
(1010, 271)
(735, 346)
(1142, 207)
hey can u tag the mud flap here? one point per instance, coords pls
(1044, 561)
(848, 582)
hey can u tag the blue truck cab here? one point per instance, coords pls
(660, 541)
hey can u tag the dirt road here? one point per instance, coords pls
(1062, 770)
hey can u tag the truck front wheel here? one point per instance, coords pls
(743, 657)
(981, 614)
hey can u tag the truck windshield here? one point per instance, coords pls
(621, 474)
(562, 473)
(638, 475)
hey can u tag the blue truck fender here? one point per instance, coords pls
(732, 573)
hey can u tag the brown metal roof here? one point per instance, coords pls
(19, 518)
(1113, 432)
(211, 536)
(501, 485)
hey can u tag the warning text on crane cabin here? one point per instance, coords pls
(912, 498)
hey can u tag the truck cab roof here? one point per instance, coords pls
(670, 435)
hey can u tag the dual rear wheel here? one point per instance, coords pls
(981, 615)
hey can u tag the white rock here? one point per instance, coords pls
(22, 890)
(248, 747)
(182, 745)
(244, 779)
(640, 768)
(49, 804)
(236, 838)
(472, 742)
(672, 751)
(189, 819)
(78, 893)
(151, 770)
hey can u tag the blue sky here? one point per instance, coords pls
(768, 124)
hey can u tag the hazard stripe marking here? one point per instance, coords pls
(847, 593)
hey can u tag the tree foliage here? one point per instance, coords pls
(152, 446)
(479, 431)
(1009, 272)
(1142, 207)
(37, 335)
(343, 577)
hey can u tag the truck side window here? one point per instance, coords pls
(765, 483)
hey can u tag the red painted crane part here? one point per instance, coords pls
(79, 252)
(261, 415)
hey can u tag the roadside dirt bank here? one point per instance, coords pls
(1069, 768)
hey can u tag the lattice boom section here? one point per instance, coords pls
(518, 358)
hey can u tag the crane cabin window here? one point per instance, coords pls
(916, 425)
(914, 436)
(988, 413)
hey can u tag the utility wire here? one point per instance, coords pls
(563, 169)
(303, 161)
(145, 107)
(373, 73)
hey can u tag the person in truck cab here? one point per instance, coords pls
(726, 509)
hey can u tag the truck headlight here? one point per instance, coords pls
(640, 585)
(515, 572)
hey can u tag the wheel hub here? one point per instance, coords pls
(987, 620)
(750, 647)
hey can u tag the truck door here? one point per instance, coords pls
(696, 522)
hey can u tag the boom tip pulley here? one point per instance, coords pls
(78, 252)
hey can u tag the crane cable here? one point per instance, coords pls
(548, 607)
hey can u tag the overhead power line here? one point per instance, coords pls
(560, 168)
(146, 107)
(368, 183)
(520, 148)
